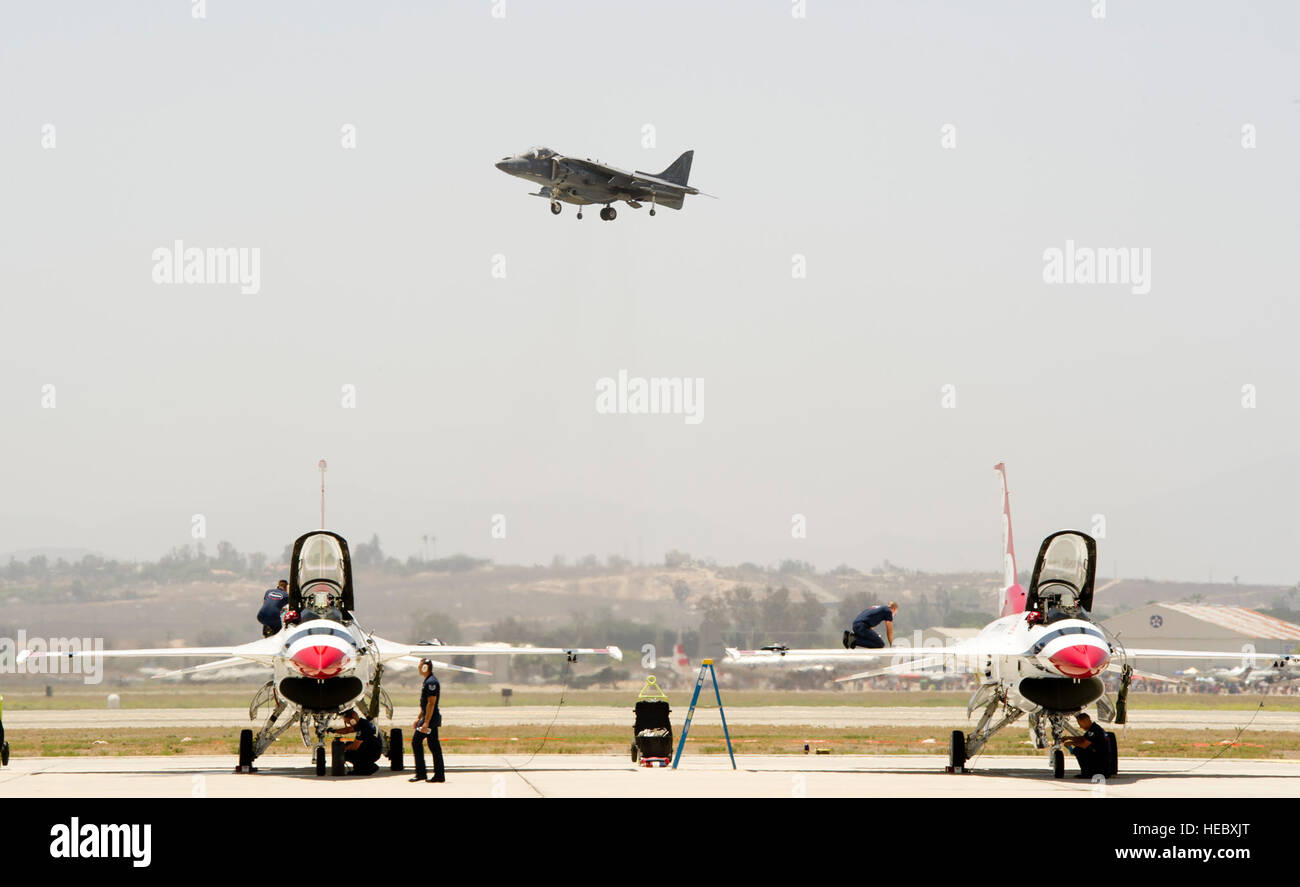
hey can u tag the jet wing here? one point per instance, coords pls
(261, 651)
(1238, 655)
(389, 650)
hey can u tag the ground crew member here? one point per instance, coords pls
(4, 746)
(364, 751)
(426, 727)
(1091, 750)
(272, 603)
(863, 633)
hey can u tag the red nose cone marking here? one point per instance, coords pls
(1080, 661)
(319, 662)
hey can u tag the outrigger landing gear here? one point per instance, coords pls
(969, 745)
(580, 212)
(251, 747)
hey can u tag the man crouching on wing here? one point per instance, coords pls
(863, 633)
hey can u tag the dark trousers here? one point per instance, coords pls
(865, 636)
(435, 749)
(363, 759)
(1090, 762)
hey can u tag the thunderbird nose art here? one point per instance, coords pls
(1080, 660)
(319, 661)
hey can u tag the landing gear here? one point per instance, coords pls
(395, 749)
(245, 752)
(609, 214)
(4, 754)
(1058, 764)
(338, 763)
(555, 207)
(957, 752)
(320, 760)
(652, 210)
(579, 212)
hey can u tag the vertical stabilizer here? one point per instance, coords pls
(1013, 596)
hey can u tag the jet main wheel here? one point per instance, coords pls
(320, 762)
(338, 763)
(245, 751)
(555, 208)
(395, 749)
(1058, 764)
(957, 750)
(613, 214)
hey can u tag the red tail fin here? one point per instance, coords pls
(1013, 597)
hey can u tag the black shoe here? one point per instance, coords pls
(437, 778)
(416, 778)
(848, 640)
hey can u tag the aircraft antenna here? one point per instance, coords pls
(322, 466)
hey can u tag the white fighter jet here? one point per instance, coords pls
(1043, 657)
(323, 662)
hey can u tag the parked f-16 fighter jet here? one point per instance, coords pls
(323, 661)
(584, 182)
(1042, 657)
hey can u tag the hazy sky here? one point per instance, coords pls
(475, 395)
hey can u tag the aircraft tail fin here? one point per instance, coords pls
(1013, 596)
(680, 170)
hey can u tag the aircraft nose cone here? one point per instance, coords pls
(1080, 660)
(503, 165)
(319, 662)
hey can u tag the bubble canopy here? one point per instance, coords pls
(320, 558)
(1066, 568)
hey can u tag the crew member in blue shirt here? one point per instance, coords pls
(364, 751)
(1091, 750)
(863, 633)
(426, 727)
(272, 603)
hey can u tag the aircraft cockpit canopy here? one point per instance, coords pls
(1064, 574)
(321, 573)
(539, 153)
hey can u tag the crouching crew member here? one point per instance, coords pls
(863, 633)
(426, 727)
(272, 603)
(1091, 749)
(364, 751)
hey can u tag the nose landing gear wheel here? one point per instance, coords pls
(320, 761)
(652, 212)
(957, 751)
(555, 208)
(1058, 764)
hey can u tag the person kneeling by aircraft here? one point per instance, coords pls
(364, 751)
(863, 633)
(1089, 749)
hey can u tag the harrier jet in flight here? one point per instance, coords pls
(573, 180)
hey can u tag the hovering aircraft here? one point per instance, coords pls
(584, 182)
(1042, 657)
(323, 662)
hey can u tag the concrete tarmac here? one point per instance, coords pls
(614, 776)
(598, 715)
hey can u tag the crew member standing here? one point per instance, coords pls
(863, 633)
(272, 603)
(426, 727)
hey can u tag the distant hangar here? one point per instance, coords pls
(1182, 626)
